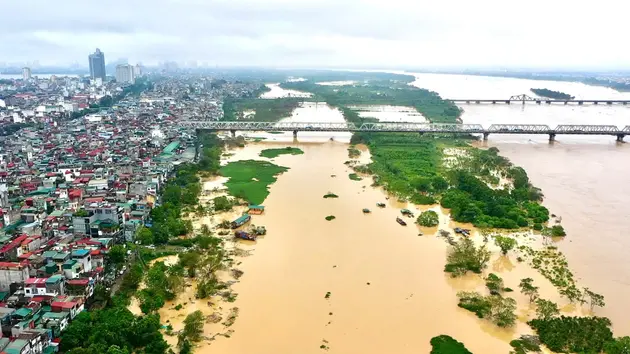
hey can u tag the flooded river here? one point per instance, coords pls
(387, 292)
(584, 179)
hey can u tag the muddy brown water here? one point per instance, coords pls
(388, 291)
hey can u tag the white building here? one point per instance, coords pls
(137, 71)
(125, 74)
(26, 73)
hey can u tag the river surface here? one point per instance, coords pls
(584, 178)
(388, 291)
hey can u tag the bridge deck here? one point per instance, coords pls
(408, 127)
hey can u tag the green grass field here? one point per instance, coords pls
(271, 153)
(250, 179)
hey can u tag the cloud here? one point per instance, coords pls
(343, 33)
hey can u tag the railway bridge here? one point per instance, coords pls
(408, 127)
(538, 100)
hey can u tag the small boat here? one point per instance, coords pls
(380, 205)
(407, 212)
(401, 221)
(245, 236)
(366, 211)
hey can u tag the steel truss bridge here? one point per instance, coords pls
(538, 100)
(402, 127)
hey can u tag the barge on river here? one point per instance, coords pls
(242, 220)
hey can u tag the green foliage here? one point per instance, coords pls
(526, 344)
(113, 330)
(528, 288)
(353, 152)
(355, 177)
(162, 283)
(330, 217)
(222, 203)
(505, 243)
(117, 254)
(543, 92)
(266, 110)
(494, 283)
(618, 346)
(557, 231)
(330, 195)
(546, 309)
(383, 92)
(250, 179)
(463, 256)
(498, 309)
(193, 326)
(271, 153)
(573, 334)
(444, 344)
(595, 299)
(145, 236)
(428, 218)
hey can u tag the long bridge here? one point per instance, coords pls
(402, 127)
(538, 100)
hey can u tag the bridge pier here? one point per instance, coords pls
(507, 102)
(485, 136)
(537, 102)
(609, 103)
(548, 102)
(494, 102)
(552, 137)
(620, 137)
(595, 102)
(580, 102)
(233, 132)
(295, 134)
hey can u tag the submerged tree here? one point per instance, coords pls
(546, 309)
(528, 288)
(505, 243)
(463, 256)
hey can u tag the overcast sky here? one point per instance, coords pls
(317, 33)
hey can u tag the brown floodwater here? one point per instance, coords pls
(584, 178)
(388, 290)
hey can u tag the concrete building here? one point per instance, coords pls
(125, 74)
(11, 273)
(137, 71)
(97, 64)
(26, 73)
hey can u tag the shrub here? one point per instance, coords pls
(463, 256)
(330, 217)
(428, 218)
(447, 345)
(557, 231)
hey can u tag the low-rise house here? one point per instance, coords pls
(13, 273)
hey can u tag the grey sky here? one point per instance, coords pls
(342, 33)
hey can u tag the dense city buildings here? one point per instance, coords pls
(82, 164)
(97, 65)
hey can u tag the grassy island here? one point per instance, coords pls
(250, 179)
(271, 153)
(556, 95)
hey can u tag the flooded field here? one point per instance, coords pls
(277, 92)
(390, 113)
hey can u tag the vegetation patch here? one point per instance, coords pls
(355, 177)
(464, 256)
(330, 217)
(330, 195)
(271, 153)
(353, 152)
(556, 95)
(447, 345)
(498, 309)
(526, 344)
(428, 218)
(573, 334)
(250, 179)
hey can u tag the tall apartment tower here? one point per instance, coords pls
(26, 73)
(97, 64)
(125, 74)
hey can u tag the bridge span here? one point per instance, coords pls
(408, 127)
(538, 100)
